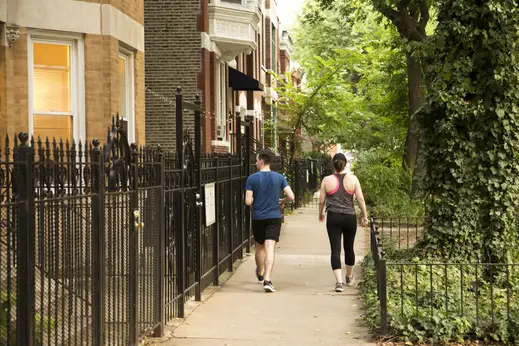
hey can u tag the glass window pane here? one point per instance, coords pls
(123, 87)
(51, 77)
(52, 126)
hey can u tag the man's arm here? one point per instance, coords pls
(289, 195)
(249, 197)
(322, 199)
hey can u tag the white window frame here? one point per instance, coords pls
(129, 56)
(77, 79)
(221, 99)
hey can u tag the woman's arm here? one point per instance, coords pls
(322, 199)
(362, 203)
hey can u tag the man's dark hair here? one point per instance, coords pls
(266, 156)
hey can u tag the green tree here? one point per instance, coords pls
(410, 18)
(354, 94)
(471, 130)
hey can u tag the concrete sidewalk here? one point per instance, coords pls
(305, 310)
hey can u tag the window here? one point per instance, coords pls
(273, 67)
(53, 89)
(126, 91)
(235, 2)
(274, 119)
(221, 97)
(262, 42)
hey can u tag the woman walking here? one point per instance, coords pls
(337, 191)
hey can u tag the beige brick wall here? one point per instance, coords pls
(14, 91)
(132, 8)
(140, 99)
(102, 87)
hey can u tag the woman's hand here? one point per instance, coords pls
(321, 217)
(364, 221)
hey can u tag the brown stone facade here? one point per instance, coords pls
(284, 61)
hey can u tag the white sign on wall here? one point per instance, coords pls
(210, 213)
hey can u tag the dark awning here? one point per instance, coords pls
(240, 81)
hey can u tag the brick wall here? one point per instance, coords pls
(101, 81)
(102, 87)
(173, 59)
(284, 61)
(268, 47)
(14, 90)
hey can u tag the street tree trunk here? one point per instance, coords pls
(415, 96)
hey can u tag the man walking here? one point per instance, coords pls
(263, 190)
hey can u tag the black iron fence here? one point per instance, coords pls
(469, 299)
(101, 245)
(303, 175)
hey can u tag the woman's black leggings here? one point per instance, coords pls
(341, 225)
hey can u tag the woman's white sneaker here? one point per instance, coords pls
(268, 287)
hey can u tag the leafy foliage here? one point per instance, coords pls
(7, 305)
(470, 130)
(441, 304)
(386, 185)
(354, 72)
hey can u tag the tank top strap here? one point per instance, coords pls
(340, 179)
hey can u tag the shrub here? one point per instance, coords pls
(386, 186)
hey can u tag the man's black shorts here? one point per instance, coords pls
(266, 229)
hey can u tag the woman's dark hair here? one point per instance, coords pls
(339, 161)
(339, 165)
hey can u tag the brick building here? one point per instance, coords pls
(212, 48)
(67, 66)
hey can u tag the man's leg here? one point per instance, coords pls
(260, 258)
(269, 254)
(258, 229)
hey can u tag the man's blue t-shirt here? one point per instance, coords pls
(266, 187)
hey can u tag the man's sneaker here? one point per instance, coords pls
(349, 280)
(339, 287)
(268, 287)
(260, 277)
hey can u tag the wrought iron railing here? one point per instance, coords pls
(480, 297)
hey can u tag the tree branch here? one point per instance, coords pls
(424, 16)
(304, 109)
(406, 25)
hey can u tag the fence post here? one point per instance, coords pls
(297, 184)
(134, 248)
(179, 231)
(25, 288)
(241, 192)
(247, 173)
(161, 308)
(216, 228)
(199, 204)
(98, 245)
(231, 220)
(382, 270)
